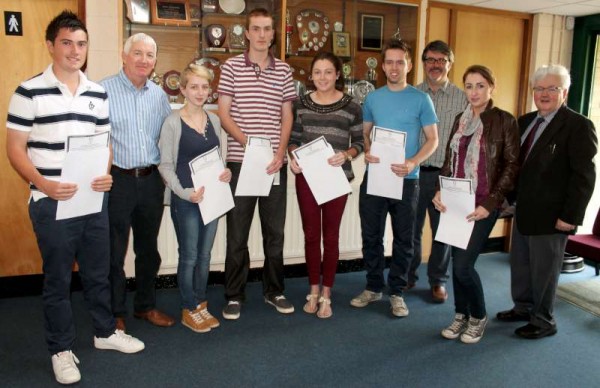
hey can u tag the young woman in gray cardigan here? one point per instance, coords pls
(185, 134)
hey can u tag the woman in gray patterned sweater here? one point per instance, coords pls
(335, 115)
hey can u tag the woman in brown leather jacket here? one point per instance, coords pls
(483, 147)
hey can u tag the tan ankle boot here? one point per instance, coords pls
(202, 308)
(194, 320)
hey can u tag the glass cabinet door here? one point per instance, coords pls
(354, 30)
(208, 32)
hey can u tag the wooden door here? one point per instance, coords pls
(498, 39)
(24, 57)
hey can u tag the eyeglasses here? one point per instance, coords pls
(433, 61)
(549, 90)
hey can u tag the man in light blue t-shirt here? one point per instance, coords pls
(397, 105)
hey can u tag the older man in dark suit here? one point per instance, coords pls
(555, 184)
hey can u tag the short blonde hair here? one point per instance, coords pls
(198, 71)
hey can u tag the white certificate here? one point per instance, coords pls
(218, 199)
(389, 146)
(326, 182)
(86, 159)
(458, 197)
(254, 180)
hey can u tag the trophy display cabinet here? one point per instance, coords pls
(208, 32)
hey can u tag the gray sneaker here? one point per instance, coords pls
(280, 303)
(457, 327)
(232, 310)
(364, 298)
(399, 308)
(474, 331)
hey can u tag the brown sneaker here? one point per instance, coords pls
(194, 320)
(202, 308)
(439, 294)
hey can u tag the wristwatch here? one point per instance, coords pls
(348, 156)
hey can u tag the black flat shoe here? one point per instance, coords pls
(530, 331)
(512, 316)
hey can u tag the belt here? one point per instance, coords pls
(136, 172)
(430, 168)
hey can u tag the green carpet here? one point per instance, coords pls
(585, 294)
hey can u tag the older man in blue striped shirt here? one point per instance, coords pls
(138, 108)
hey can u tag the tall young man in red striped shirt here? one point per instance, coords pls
(255, 99)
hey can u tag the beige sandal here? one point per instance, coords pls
(324, 308)
(311, 306)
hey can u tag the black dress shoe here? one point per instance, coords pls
(530, 331)
(512, 316)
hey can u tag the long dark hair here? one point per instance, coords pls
(483, 71)
(337, 64)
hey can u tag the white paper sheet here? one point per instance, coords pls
(389, 146)
(457, 196)
(326, 182)
(254, 180)
(86, 159)
(218, 199)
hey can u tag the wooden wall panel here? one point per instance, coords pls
(177, 47)
(19, 254)
(497, 42)
(439, 25)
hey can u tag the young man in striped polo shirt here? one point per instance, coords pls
(255, 98)
(43, 113)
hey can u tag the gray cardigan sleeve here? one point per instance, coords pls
(168, 144)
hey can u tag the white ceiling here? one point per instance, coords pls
(556, 7)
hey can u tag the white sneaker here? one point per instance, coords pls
(364, 298)
(65, 370)
(398, 306)
(119, 341)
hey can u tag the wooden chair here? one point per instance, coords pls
(587, 245)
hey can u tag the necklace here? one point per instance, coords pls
(199, 125)
(315, 107)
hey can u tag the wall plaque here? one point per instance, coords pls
(171, 12)
(341, 44)
(371, 32)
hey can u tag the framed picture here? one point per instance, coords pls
(371, 32)
(171, 12)
(341, 44)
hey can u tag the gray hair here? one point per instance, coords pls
(557, 70)
(139, 37)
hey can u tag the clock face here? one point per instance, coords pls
(238, 29)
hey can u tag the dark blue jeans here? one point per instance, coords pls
(272, 211)
(61, 242)
(195, 242)
(468, 291)
(373, 213)
(439, 260)
(135, 203)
